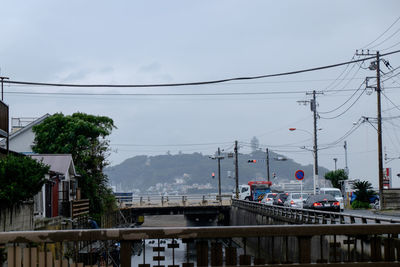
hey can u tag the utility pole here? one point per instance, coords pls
(219, 174)
(314, 109)
(2, 78)
(375, 65)
(346, 168)
(335, 160)
(313, 106)
(268, 175)
(236, 170)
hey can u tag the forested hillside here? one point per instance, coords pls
(192, 173)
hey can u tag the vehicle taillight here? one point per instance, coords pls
(279, 200)
(292, 202)
(317, 204)
(337, 203)
(268, 199)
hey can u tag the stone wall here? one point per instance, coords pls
(17, 218)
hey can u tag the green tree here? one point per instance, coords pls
(336, 177)
(21, 178)
(83, 136)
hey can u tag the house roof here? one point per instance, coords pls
(29, 126)
(59, 163)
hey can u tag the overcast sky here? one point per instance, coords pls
(148, 42)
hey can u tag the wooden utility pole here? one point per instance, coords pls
(268, 175)
(219, 173)
(376, 66)
(236, 170)
(380, 159)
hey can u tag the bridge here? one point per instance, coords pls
(276, 235)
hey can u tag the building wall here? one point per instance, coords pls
(17, 219)
(23, 141)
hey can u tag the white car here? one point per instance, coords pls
(269, 198)
(295, 200)
(334, 192)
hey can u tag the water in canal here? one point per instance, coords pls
(151, 245)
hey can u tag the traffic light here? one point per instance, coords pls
(213, 175)
(252, 161)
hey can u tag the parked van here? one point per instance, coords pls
(334, 192)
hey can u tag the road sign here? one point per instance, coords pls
(299, 174)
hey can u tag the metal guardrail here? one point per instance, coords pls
(288, 245)
(308, 216)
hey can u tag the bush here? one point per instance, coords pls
(359, 205)
(21, 178)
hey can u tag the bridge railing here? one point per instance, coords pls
(307, 216)
(180, 200)
(358, 244)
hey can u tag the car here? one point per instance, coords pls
(269, 198)
(324, 202)
(373, 200)
(280, 199)
(335, 192)
(295, 200)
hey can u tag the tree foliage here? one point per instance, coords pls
(336, 177)
(363, 191)
(83, 136)
(20, 179)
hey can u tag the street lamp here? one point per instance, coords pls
(315, 155)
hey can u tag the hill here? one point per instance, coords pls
(191, 173)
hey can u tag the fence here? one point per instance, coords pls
(295, 215)
(179, 200)
(358, 244)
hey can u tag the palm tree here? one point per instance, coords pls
(363, 191)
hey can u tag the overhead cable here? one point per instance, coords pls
(355, 101)
(196, 83)
(365, 46)
(326, 112)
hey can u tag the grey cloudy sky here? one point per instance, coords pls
(139, 42)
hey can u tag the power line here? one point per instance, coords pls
(383, 33)
(196, 83)
(326, 112)
(390, 47)
(398, 30)
(168, 145)
(396, 106)
(355, 101)
(172, 94)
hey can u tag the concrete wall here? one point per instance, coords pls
(391, 199)
(17, 218)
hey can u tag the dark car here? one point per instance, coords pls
(323, 202)
(280, 199)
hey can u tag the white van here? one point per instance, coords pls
(334, 192)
